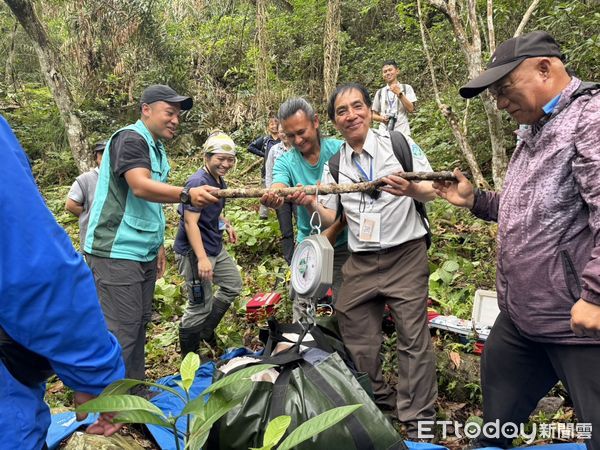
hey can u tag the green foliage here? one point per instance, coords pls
(462, 258)
(254, 234)
(168, 299)
(134, 409)
(111, 52)
(475, 393)
(275, 431)
(277, 427)
(316, 425)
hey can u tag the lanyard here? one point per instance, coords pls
(361, 170)
(391, 99)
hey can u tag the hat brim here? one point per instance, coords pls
(186, 103)
(221, 152)
(487, 78)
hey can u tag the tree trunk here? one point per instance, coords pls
(262, 63)
(331, 46)
(470, 41)
(499, 157)
(9, 72)
(526, 17)
(490, 26)
(450, 116)
(50, 66)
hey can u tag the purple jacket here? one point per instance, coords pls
(548, 216)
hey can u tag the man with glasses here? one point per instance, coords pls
(388, 259)
(548, 256)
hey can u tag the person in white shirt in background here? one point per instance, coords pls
(81, 195)
(393, 102)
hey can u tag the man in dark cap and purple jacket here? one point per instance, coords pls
(548, 215)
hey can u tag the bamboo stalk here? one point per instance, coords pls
(333, 188)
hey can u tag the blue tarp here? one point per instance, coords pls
(64, 424)
(171, 404)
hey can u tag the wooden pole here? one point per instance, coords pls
(324, 189)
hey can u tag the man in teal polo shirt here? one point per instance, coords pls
(125, 234)
(303, 165)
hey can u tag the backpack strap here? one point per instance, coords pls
(334, 167)
(584, 88)
(403, 154)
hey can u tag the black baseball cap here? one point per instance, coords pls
(162, 92)
(508, 56)
(99, 146)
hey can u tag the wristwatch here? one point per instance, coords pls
(185, 197)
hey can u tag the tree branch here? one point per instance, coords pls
(526, 17)
(447, 112)
(490, 26)
(333, 188)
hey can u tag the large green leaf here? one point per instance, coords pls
(189, 366)
(316, 425)
(275, 431)
(141, 417)
(236, 377)
(213, 410)
(450, 266)
(197, 406)
(118, 403)
(123, 387)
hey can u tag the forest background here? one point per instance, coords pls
(74, 69)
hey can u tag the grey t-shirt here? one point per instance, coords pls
(82, 191)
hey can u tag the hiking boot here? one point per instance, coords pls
(190, 338)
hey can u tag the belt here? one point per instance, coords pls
(383, 251)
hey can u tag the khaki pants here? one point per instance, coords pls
(225, 275)
(399, 278)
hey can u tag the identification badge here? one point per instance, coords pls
(370, 225)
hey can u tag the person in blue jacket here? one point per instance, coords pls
(50, 316)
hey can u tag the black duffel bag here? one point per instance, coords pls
(310, 382)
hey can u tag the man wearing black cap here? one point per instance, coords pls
(81, 194)
(124, 241)
(548, 214)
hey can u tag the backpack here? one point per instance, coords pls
(403, 154)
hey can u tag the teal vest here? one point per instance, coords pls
(121, 225)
